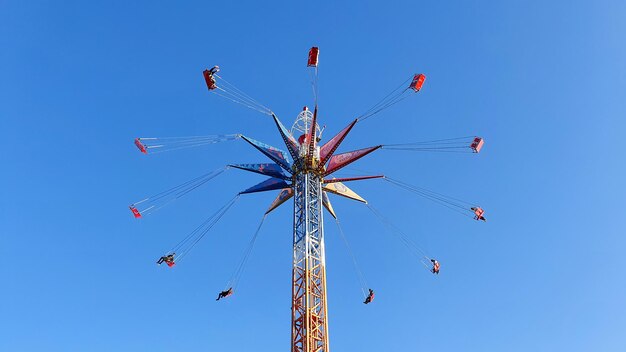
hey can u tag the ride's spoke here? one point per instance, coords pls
(157, 201)
(469, 144)
(154, 145)
(221, 87)
(416, 250)
(460, 206)
(397, 95)
(361, 277)
(233, 282)
(183, 247)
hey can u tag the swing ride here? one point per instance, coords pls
(305, 171)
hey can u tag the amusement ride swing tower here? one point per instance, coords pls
(306, 179)
(309, 312)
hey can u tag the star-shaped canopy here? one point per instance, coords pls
(307, 157)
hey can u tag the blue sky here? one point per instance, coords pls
(543, 82)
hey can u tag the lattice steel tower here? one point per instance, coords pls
(309, 313)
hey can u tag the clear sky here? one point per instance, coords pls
(544, 83)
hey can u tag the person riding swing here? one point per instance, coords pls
(478, 213)
(435, 269)
(370, 297)
(168, 259)
(208, 77)
(224, 294)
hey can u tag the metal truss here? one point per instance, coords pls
(309, 313)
